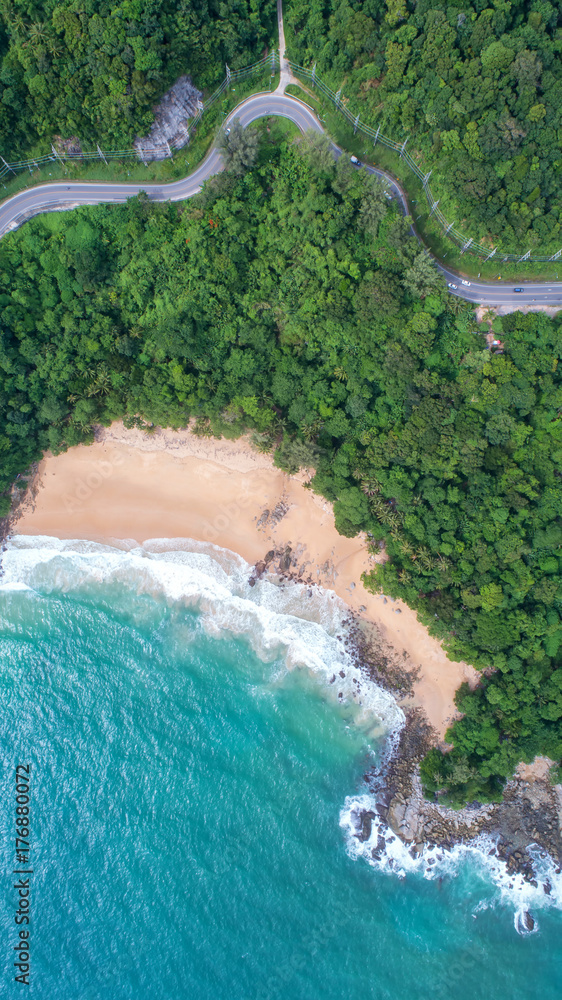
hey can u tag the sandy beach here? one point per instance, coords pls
(130, 486)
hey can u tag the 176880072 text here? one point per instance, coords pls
(22, 916)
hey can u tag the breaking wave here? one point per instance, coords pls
(302, 625)
(305, 628)
(384, 851)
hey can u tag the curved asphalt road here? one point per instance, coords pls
(59, 195)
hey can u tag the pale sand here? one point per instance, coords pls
(537, 771)
(537, 778)
(131, 486)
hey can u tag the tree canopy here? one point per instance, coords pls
(93, 69)
(279, 300)
(477, 87)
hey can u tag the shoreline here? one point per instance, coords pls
(130, 486)
(515, 834)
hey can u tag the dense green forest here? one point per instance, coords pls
(477, 88)
(289, 298)
(93, 69)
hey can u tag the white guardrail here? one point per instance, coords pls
(159, 152)
(460, 239)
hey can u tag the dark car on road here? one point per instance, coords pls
(518, 289)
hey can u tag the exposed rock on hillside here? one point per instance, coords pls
(171, 117)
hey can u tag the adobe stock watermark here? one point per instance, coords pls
(226, 516)
(86, 486)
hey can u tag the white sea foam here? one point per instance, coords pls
(387, 853)
(302, 625)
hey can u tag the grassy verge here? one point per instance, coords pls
(274, 130)
(183, 162)
(430, 232)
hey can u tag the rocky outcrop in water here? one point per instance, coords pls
(531, 810)
(529, 813)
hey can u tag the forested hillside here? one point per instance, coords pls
(477, 88)
(290, 299)
(94, 68)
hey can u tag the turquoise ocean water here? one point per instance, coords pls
(194, 777)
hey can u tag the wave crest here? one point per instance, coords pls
(386, 852)
(304, 625)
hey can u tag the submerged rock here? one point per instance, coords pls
(525, 922)
(366, 826)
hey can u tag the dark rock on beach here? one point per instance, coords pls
(528, 814)
(285, 561)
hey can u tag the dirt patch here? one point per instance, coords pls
(507, 308)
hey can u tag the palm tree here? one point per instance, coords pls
(264, 397)
(378, 507)
(370, 487)
(100, 384)
(262, 442)
(18, 24)
(37, 33)
(55, 46)
(393, 518)
(427, 560)
(456, 304)
(310, 431)
(407, 549)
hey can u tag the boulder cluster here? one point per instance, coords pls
(528, 815)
